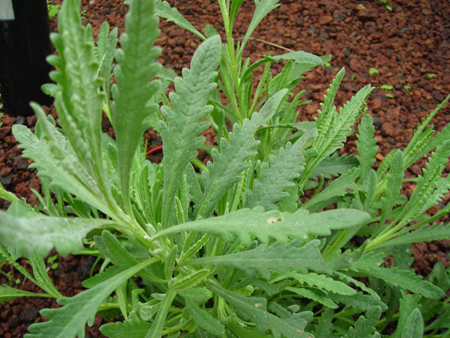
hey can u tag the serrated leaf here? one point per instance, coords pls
(414, 325)
(278, 257)
(226, 168)
(163, 10)
(40, 234)
(366, 145)
(405, 279)
(185, 282)
(314, 295)
(198, 295)
(323, 282)
(70, 320)
(256, 309)
(277, 177)
(158, 324)
(335, 165)
(246, 223)
(358, 301)
(180, 133)
(134, 327)
(9, 293)
(133, 89)
(424, 234)
(365, 327)
(204, 319)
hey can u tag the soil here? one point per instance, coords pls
(408, 46)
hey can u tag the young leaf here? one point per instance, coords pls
(204, 319)
(256, 309)
(246, 223)
(335, 165)
(278, 257)
(275, 178)
(227, 166)
(323, 282)
(365, 327)
(183, 125)
(158, 324)
(163, 10)
(70, 320)
(367, 147)
(40, 234)
(358, 301)
(185, 282)
(414, 325)
(133, 89)
(314, 295)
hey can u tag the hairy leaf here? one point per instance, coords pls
(358, 301)
(133, 89)
(323, 282)
(180, 133)
(335, 165)
(256, 309)
(134, 327)
(315, 295)
(204, 319)
(40, 234)
(414, 325)
(424, 234)
(365, 327)
(246, 223)
(227, 166)
(278, 257)
(70, 320)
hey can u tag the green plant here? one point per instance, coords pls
(431, 75)
(373, 71)
(52, 9)
(407, 88)
(227, 250)
(387, 87)
(386, 4)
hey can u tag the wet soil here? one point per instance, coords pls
(407, 48)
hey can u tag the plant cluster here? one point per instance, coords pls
(233, 248)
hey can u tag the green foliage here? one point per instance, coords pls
(237, 247)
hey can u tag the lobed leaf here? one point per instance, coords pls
(180, 132)
(366, 145)
(246, 223)
(134, 327)
(278, 257)
(314, 295)
(335, 165)
(365, 327)
(424, 234)
(358, 301)
(323, 282)
(133, 89)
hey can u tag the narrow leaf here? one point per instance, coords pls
(9, 293)
(366, 145)
(204, 319)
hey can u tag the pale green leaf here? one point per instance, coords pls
(314, 295)
(133, 89)
(226, 168)
(6, 195)
(134, 327)
(70, 320)
(365, 327)
(283, 169)
(358, 301)
(78, 101)
(335, 165)
(198, 295)
(424, 234)
(414, 325)
(323, 282)
(163, 10)
(405, 279)
(9, 293)
(40, 234)
(180, 133)
(407, 305)
(278, 257)
(204, 319)
(366, 145)
(246, 223)
(263, 7)
(182, 282)
(159, 323)
(256, 309)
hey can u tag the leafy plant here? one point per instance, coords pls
(386, 4)
(373, 71)
(233, 248)
(387, 87)
(52, 9)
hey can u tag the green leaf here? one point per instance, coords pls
(335, 165)
(407, 305)
(278, 257)
(70, 320)
(204, 319)
(256, 309)
(323, 282)
(314, 295)
(180, 133)
(246, 223)
(134, 327)
(163, 10)
(280, 175)
(424, 234)
(133, 89)
(6, 195)
(365, 327)
(226, 168)
(40, 234)
(414, 325)
(198, 295)
(78, 101)
(158, 324)
(263, 7)
(358, 301)
(9, 293)
(367, 147)
(405, 279)
(185, 282)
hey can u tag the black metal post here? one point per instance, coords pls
(24, 45)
